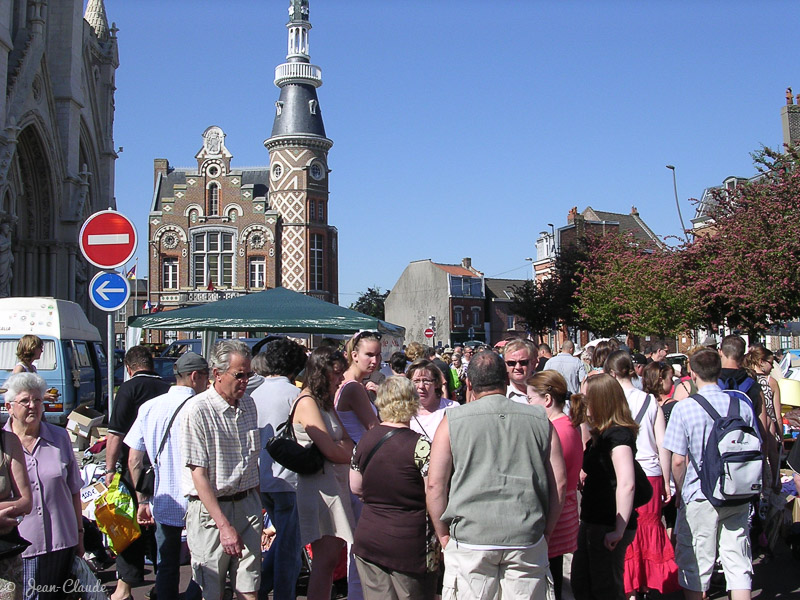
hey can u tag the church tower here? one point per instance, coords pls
(298, 170)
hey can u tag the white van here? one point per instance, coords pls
(74, 358)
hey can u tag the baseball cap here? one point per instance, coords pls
(638, 358)
(188, 362)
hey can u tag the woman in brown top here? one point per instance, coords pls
(388, 470)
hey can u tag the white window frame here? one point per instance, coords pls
(257, 272)
(169, 273)
(202, 256)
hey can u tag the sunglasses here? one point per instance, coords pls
(366, 334)
(514, 363)
(241, 375)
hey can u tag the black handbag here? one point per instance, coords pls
(12, 544)
(146, 483)
(284, 450)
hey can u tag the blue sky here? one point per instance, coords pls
(461, 128)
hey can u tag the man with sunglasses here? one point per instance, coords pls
(520, 356)
(220, 445)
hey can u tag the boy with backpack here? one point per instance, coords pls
(716, 457)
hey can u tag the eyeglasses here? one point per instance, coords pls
(514, 363)
(241, 375)
(424, 382)
(29, 402)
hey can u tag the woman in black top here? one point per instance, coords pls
(608, 521)
(392, 541)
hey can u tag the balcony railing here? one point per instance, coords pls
(298, 72)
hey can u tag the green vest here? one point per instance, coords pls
(498, 491)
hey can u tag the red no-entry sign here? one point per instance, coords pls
(108, 239)
(429, 332)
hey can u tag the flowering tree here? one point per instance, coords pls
(746, 271)
(635, 287)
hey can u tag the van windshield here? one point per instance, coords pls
(8, 355)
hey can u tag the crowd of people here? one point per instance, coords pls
(465, 474)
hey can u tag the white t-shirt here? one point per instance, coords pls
(646, 449)
(427, 424)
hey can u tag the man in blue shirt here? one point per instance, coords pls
(167, 507)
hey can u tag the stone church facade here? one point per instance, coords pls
(57, 151)
(217, 231)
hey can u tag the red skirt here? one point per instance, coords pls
(650, 559)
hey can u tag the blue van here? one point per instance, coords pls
(74, 358)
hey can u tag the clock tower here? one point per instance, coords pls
(298, 170)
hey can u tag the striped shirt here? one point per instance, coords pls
(145, 435)
(222, 438)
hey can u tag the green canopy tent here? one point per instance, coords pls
(275, 311)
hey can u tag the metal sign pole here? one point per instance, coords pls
(110, 360)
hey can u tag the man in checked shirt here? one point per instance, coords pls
(220, 448)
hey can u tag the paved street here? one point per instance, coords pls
(775, 578)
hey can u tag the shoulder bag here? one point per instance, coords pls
(284, 449)
(11, 543)
(146, 483)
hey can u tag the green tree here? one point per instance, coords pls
(631, 286)
(532, 301)
(371, 303)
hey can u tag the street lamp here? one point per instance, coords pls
(677, 203)
(552, 237)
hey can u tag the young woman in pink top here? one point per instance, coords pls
(549, 389)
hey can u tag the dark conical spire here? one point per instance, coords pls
(297, 111)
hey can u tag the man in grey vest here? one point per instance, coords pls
(496, 486)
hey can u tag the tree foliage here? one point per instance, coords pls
(371, 303)
(636, 287)
(746, 271)
(551, 303)
(741, 271)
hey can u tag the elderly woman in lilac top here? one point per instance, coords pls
(54, 526)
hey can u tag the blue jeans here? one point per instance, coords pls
(168, 575)
(280, 565)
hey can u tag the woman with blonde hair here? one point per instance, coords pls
(357, 413)
(393, 541)
(549, 389)
(759, 361)
(29, 349)
(608, 521)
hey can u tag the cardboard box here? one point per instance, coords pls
(78, 442)
(92, 492)
(82, 419)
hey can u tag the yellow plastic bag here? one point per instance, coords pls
(115, 513)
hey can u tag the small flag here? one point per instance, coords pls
(157, 307)
(147, 305)
(210, 287)
(132, 273)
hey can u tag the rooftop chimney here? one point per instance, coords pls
(573, 212)
(790, 120)
(466, 263)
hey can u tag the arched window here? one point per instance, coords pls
(213, 199)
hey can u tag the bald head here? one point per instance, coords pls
(568, 347)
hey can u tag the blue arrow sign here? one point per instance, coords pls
(109, 291)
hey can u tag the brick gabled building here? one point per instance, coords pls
(218, 231)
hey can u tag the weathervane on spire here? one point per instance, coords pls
(298, 11)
